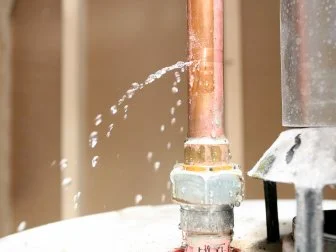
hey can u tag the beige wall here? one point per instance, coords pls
(127, 40)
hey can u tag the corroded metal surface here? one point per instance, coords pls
(308, 63)
(206, 152)
(207, 188)
(305, 157)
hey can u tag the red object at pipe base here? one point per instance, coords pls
(190, 249)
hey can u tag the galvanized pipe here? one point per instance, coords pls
(308, 63)
(205, 29)
(309, 220)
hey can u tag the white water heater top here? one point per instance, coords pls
(146, 228)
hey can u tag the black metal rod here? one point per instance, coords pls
(271, 203)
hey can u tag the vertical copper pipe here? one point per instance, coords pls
(205, 28)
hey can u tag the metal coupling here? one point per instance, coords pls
(212, 186)
(207, 195)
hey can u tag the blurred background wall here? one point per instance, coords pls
(126, 41)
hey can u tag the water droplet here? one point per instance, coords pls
(174, 90)
(138, 199)
(121, 100)
(126, 108)
(64, 163)
(178, 77)
(76, 197)
(130, 93)
(125, 116)
(108, 134)
(181, 129)
(93, 139)
(66, 181)
(173, 121)
(213, 133)
(22, 226)
(135, 85)
(163, 198)
(94, 161)
(149, 156)
(76, 200)
(168, 185)
(162, 128)
(150, 79)
(178, 103)
(157, 166)
(172, 110)
(53, 163)
(99, 119)
(114, 110)
(168, 145)
(76, 205)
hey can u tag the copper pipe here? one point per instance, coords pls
(205, 28)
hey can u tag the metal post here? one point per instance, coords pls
(309, 220)
(271, 203)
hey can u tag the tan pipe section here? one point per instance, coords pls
(205, 28)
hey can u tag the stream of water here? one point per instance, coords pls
(121, 106)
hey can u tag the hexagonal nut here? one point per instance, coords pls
(207, 188)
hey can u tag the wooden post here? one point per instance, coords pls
(73, 140)
(234, 124)
(6, 219)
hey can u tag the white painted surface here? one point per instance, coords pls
(143, 228)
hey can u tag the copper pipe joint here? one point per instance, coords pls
(209, 153)
(205, 28)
